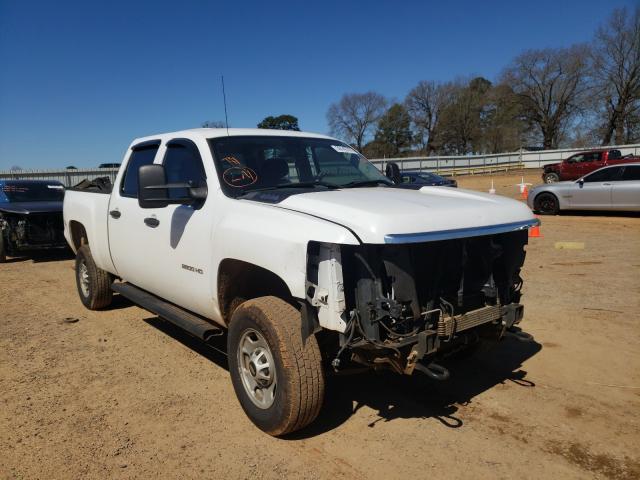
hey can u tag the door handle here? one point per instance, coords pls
(115, 213)
(151, 222)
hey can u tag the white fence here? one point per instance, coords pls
(69, 177)
(446, 165)
(493, 162)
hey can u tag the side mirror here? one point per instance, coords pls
(581, 182)
(392, 171)
(153, 189)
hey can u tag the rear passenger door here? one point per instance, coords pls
(626, 190)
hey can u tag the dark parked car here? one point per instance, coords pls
(30, 216)
(426, 178)
(415, 179)
(109, 165)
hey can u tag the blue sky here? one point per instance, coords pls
(80, 80)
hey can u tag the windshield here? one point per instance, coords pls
(246, 164)
(33, 192)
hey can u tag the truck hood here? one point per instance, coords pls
(393, 215)
(25, 208)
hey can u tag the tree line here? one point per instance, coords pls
(583, 95)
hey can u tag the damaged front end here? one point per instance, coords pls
(35, 231)
(403, 306)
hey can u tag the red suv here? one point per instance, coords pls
(580, 164)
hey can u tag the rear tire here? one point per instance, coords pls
(551, 177)
(283, 397)
(94, 284)
(546, 203)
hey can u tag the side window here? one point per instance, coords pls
(631, 173)
(592, 157)
(140, 156)
(183, 164)
(605, 175)
(576, 158)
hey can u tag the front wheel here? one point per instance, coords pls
(3, 252)
(94, 284)
(551, 177)
(277, 376)
(546, 203)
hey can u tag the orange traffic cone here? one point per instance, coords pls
(534, 232)
(524, 194)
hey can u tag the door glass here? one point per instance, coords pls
(138, 158)
(603, 175)
(182, 165)
(591, 157)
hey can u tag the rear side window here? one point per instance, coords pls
(631, 173)
(141, 155)
(182, 163)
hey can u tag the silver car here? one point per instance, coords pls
(616, 187)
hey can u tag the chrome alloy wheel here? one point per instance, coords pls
(83, 274)
(257, 368)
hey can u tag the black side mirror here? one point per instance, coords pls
(392, 171)
(153, 189)
(581, 182)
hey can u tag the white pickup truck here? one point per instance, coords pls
(303, 253)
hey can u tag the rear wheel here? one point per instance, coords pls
(276, 375)
(551, 177)
(546, 203)
(94, 284)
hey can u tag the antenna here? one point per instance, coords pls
(224, 97)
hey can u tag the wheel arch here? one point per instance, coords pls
(239, 281)
(78, 234)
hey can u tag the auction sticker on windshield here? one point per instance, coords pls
(343, 149)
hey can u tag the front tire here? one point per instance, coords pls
(551, 177)
(94, 284)
(3, 252)
(546, 203)
(277, 376)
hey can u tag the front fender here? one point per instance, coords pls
(274, 239)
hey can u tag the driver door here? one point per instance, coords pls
(594, 193)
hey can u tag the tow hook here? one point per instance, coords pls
(433, 370)
(519, 335)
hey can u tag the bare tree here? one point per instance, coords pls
(424, 104)
(616, 74)
(551, 86)
(353, 117)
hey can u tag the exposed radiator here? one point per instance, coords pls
(449, 325)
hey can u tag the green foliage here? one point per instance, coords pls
(393, 135)
(281, 122)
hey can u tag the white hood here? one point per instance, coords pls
(394, 215)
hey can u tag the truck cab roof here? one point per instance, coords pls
(207, 133)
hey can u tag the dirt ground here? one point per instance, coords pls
(122, 394)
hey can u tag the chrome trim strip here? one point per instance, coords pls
(460, 232)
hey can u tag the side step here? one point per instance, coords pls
(184, 319)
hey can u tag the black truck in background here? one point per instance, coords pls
(30, 216)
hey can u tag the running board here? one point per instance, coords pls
(180, 317)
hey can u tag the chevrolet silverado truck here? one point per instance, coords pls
(303, 254)
(578, 165)
(30, 216)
